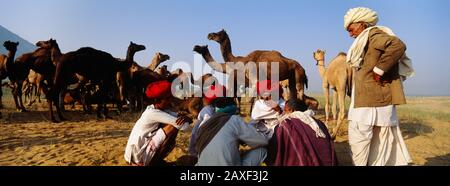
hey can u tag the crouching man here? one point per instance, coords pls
(153, 136)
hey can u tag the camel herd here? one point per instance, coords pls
(90, 76)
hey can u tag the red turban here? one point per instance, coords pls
(214, 92)
(159, 89)
(266, 86)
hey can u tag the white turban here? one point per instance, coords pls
(360, 14)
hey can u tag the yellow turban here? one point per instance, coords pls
(360, 14)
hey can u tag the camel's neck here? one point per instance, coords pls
(56, 53)
(10, 56)
(321, 68)
(130, 55)
(226, 50)
(155, 63)
(213, 64)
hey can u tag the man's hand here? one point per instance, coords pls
(277, 109)
(380, 79)
(376, 77)
(183, 119)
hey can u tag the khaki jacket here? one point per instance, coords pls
(382, 51)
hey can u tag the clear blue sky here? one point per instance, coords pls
(295, 28)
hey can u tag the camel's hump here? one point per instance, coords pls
(90, 50)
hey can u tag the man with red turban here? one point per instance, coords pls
(153, 136)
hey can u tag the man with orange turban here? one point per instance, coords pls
(153, 136)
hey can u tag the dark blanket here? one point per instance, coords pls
(295, 144)
(209, 129)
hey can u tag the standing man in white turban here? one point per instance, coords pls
(379, 65)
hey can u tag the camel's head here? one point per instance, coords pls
(162, 57)
(218, 36)
(47, 44)
(201, 49)
(312, 103)
(177, 71)
(135, 47)
(11, 46)
(162, 70)
(319, 55)
(208, 79)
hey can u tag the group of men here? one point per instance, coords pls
(285, 132)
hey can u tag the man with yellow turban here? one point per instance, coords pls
(379, 66)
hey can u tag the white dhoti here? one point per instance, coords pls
(377, 145)
(374, 136)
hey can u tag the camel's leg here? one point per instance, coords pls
(299, 84)
(327, 103)
(61, 99)
(239, 104)
(50, 108)
(20, 97)
(38, 91)
(341, 113)
(102, 98)
(28, 95)
(334, 105)
(252, 101)
(1, 95)
(58, 111)
(16, 92)
(100, 101)
(50, 99)
(292, 88)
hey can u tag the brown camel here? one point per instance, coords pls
(17, 73)
(6, 61)
(95, 65)
(40, 62)
(190, 103)
(337, 77)
(141, 78)
(233, 83)
(157, 59)
(288, 68)
(124, 77)
(32, 87)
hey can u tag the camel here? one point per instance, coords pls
(40, 62)
(337, 77)
(96, 65)
(190, 103)
(123, 77)
(157, 59)
(5, 63)
(142, 77)
(288, 68)
(17, 73)
(221, 67)
(32, 87)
